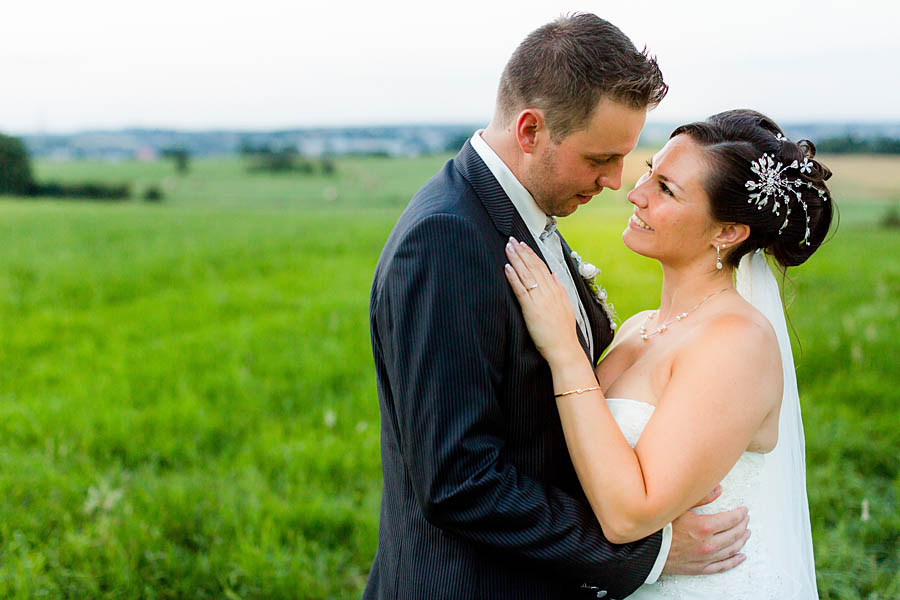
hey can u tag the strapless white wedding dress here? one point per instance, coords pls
(756, 578)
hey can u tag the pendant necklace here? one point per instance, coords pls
(662, 328)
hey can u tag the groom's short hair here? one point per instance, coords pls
(567, 66)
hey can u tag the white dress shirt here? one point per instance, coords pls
(551, 247)
(536, 221)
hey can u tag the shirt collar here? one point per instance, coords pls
(535, 218)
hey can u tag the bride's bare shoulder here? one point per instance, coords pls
(741, 341)
(742, 320)
(739, 326)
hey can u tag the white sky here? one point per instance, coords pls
(73, 65)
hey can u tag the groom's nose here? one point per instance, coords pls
(611, 176)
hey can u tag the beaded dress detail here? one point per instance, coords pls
(756, 578)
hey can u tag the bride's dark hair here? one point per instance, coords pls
(734, 139)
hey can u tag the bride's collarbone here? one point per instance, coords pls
(633, 352)
(659, 348)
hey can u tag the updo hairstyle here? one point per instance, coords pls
(732, 141)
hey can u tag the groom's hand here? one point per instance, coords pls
(704, 544)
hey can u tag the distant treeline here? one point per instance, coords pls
(16, 178)
(849, 144)
(89, 190)
(265, 158)
(125, 144)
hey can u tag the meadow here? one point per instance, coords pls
(187, 394)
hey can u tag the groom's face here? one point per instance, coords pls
(566, 174)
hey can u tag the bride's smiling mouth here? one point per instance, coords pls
(638, 223)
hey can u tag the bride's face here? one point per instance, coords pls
(672, 221)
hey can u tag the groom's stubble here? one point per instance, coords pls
(567, 173)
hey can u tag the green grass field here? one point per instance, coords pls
(187, 396)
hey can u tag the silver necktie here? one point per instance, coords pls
(554, 244)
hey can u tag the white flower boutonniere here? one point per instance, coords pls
(589, 273)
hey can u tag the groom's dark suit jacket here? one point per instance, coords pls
(480, 498)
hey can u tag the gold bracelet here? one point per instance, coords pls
(578, 391)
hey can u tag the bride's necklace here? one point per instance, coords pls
(662, 328)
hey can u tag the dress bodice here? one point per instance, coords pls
(754, 578)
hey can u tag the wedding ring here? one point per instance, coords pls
(531, 287)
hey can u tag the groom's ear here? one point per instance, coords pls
(732, 234)
(529, 126)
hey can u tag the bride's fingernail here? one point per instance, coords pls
(522, 244)
(507, 267)
(509, 246)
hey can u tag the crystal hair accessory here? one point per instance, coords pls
(773, 186)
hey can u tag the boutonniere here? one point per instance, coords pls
(589, 273)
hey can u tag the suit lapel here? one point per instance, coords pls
(509, 222)
(499, 207)
(520, 232)
(497, 204)
(597, 318)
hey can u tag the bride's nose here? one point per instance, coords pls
(637, 198)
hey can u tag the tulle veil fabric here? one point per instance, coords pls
(785, 515)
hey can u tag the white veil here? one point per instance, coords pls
(785, 513)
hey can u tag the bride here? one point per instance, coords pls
(701, 390)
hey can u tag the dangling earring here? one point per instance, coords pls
(719, 257)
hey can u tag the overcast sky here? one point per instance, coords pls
(262, 64)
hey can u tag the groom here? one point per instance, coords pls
(480, 498)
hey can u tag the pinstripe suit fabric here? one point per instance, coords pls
(480, 498)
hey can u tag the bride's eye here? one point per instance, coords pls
(663, 187)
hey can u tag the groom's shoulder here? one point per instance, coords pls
(446, 192)
(445, 218)
(445, 198)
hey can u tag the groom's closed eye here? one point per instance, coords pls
(600, 160)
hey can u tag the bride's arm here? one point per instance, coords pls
(708, 413)
(705, 419)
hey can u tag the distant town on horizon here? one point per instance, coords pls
(388, 140)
